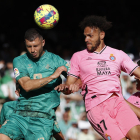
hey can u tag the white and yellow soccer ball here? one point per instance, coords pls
(46, 16)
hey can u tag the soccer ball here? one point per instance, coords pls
(46, 16)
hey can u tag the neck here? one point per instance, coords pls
(100, 47)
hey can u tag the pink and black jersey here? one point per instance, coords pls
(100, 72)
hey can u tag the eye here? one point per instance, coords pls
(90, 35)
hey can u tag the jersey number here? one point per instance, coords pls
(38, 76)
(102, 121)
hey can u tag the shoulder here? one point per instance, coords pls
(52, 55)
(113, 50)
(20, 58)
(80, 54)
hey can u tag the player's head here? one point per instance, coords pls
(94, 30)
(34, 42)
(138, 80)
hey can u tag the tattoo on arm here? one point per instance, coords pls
(42, 84)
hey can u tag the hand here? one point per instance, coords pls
(63, 88)
(74, 87)
(17, 93)
(58, 72)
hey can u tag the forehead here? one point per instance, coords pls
(89, 30)
(36, 41)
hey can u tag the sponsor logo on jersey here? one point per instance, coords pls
(102, 64)
(29, 65)
(112, 57)
(16, 72)
(89, 58)
(102, 68)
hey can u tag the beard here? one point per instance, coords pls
(93, 48)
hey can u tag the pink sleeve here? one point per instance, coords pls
(127, 65)
(130, 99)
(74, 66)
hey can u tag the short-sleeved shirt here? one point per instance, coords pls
(135, 99)
(100, 73)
(45, 98)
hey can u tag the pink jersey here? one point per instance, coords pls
(100, 72)
(135, 99)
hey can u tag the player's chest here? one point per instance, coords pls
(40, 70)
(99, 64)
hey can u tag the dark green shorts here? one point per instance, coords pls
(6, 113)
(29, 128)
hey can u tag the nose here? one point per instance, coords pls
(32, 49)
(86, 39)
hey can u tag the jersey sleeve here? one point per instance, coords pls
(19, 69)
(74, 66)
(61, 62)
(127, 65)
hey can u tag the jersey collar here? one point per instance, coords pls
(101, 50)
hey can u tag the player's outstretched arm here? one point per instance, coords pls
(31, 84)
(135, 109)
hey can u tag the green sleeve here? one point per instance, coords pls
(62, 62)
(19, 68)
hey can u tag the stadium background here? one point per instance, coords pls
(66, 38)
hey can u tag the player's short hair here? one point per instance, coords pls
(96, 21)
(138, 62)
(32, 33)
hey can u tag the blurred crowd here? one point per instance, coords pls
(71, 115)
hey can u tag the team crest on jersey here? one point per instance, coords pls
(112, 57)
(108, 137)
(16, 72)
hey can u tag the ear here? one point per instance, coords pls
(102, 35)
(43, 42)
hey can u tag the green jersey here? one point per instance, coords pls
(45, 99)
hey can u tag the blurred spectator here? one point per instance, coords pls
(71, 101)
(125, 82)
(129, 92)
(65, 123)
(73, 131)
(84, 126)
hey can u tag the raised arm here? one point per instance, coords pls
(31, 84)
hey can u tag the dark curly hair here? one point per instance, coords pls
(96, 21)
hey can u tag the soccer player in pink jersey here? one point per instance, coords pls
(99, 67)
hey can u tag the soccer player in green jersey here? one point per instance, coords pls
(38, 73)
